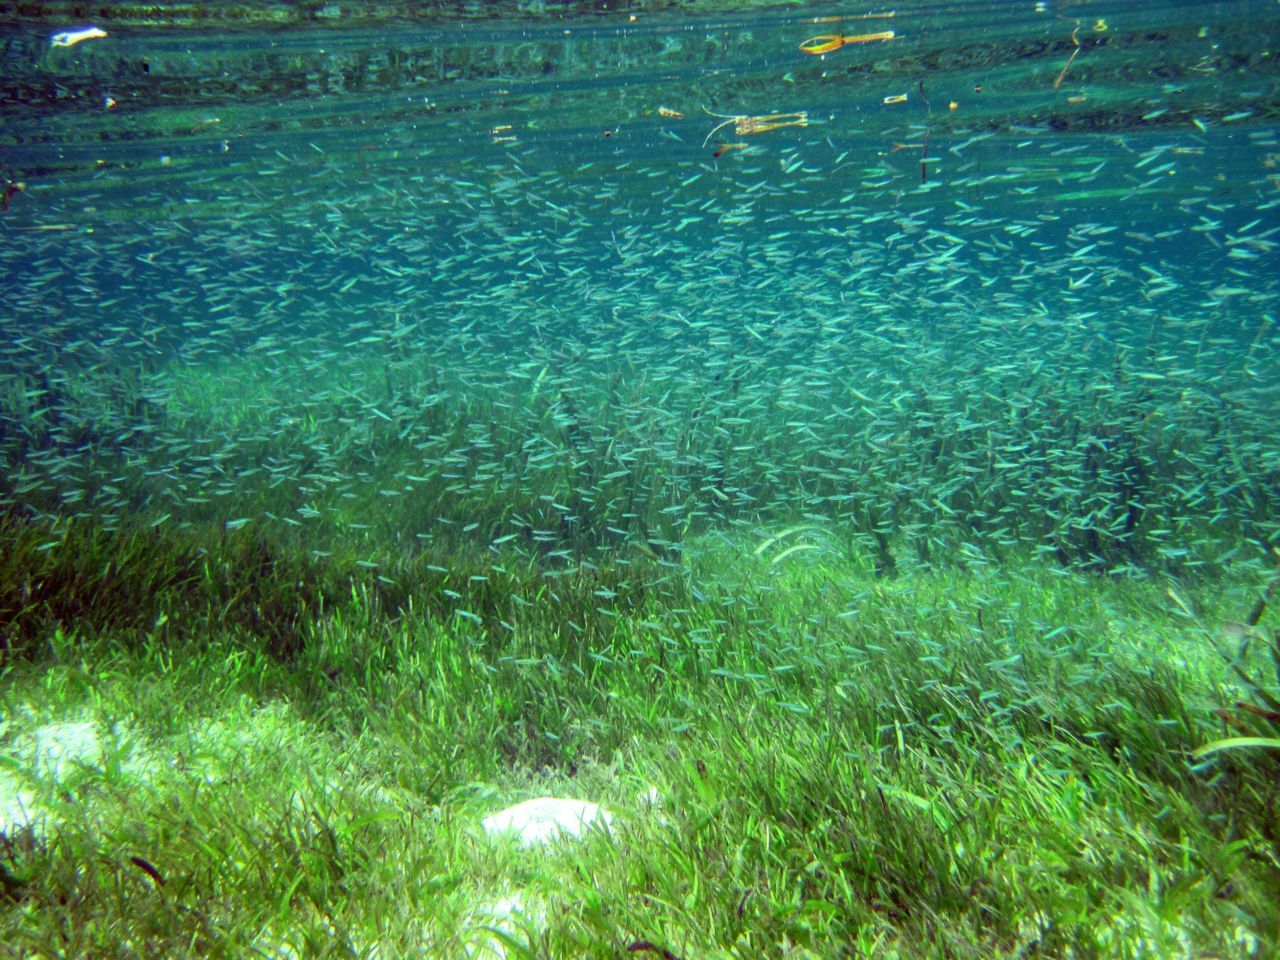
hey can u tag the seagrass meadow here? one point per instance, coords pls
(837, 445)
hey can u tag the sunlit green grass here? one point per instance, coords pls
(958, 763)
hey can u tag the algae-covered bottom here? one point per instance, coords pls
(795, 757)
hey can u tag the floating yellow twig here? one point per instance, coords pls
(744, 124)
(1057, 84)
(834, 41)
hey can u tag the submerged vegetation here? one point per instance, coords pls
(926, 748)
(877, 511)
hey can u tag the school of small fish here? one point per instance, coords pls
(589, 291)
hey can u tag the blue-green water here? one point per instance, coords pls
(586, 282)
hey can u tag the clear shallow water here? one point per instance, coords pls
(1001, 284)
(219, 96)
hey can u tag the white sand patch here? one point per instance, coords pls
(17, 804)
(512, 916)
(55, 749)
(544, 819)
(47, 753)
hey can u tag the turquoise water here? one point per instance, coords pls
(588, 281)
